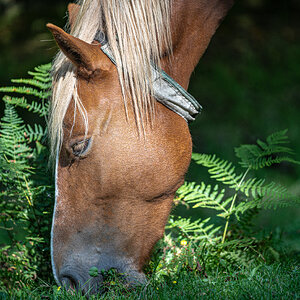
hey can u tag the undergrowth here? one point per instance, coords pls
(277, 281)
(26, 187)
(236, 199)
(201, 253)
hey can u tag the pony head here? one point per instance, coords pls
(115, 183)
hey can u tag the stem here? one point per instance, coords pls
(30, 202)
(232, 205)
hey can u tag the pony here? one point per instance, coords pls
(119, 154)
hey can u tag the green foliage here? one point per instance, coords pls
(277, 281)
(38, 86)
(267, 153)
(227, 239)
(196, 247)
(26, 188)
(93, 271)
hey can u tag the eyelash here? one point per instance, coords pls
(80, 148)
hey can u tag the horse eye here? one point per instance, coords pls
(81, 148)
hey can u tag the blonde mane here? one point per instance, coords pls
(137, 31)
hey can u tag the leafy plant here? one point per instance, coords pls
(26, 188)
(209, 243)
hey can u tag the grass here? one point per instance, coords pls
(276, 281)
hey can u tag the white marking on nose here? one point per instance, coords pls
(51, 240)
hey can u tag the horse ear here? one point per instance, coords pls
(84, 56)
(73, 10)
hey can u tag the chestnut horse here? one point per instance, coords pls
(120, 155)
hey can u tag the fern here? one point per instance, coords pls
(36, 133)
(193, 230)
(220, 169)
(38, 86)
(236, 203)
(203, 195)
(26, 188)
(224, 172)
(25, 90)
(265, 154)
(271, 194)
(42, 85)
(39, 108)
(42, 74)
(14, 152)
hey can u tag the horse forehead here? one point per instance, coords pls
(98, 98)
(100, 91)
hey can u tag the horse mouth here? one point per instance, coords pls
(100, 283)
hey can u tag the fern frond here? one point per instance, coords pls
(239, 258)
(278, 137)
(220, 169)
(245, 206)
(277, 196)
(257, 189)
(194, 230)
(13, 151)
(37, 83)
(39, 88)
(45, 78)
(203, 196)
(44, 69)
(268, 161)
(35, 134)
(39, 108)
(267, 153)
(24, 90)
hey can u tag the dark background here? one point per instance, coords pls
(247, 82)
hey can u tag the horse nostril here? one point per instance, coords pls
(70, 283)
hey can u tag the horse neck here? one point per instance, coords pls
(193, 23)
